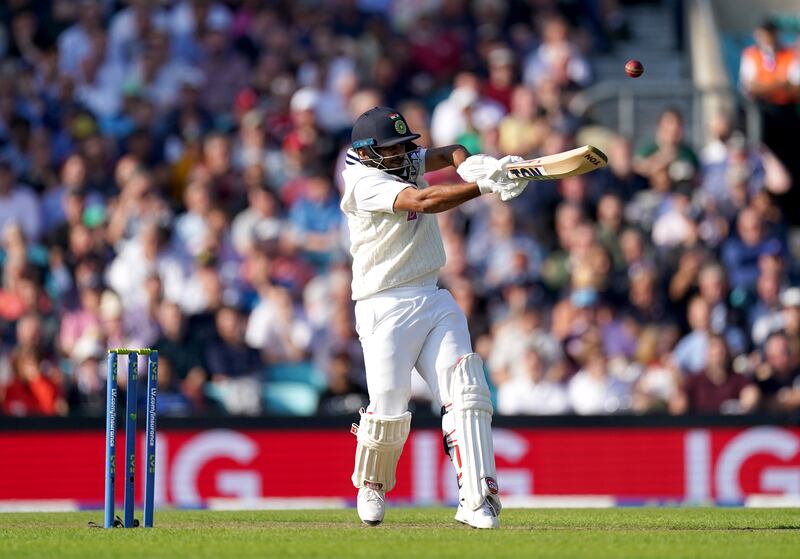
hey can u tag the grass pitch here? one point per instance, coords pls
(412, 534)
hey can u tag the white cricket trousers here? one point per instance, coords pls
(405, 328)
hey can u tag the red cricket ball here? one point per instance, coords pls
(634, 68)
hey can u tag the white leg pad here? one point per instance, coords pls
(472, 414)
(380, 443)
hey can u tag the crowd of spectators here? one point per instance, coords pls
(169, 178)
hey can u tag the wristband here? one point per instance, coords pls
(485, 186)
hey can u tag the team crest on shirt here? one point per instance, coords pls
(411, 216)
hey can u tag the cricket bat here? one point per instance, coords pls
(576, 161)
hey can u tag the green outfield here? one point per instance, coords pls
(412, 534)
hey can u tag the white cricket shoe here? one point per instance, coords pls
(371, 503)
(484, 517)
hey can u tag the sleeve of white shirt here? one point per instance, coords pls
(377, 194)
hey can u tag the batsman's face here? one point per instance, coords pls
(393, 155)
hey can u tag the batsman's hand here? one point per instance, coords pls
(518, 184)
(490, 176)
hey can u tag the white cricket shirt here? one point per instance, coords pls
(389, 249)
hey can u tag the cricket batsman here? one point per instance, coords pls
(404, 320)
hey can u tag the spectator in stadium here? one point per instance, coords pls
(448, 121)
(250, 148)
(769, 73)
(234, 368)
(121, 328)
(569, 216)
(339, 337)
(156, 74)
(619, 177)
(434, 48)
(343, 396)
(217, 167)
(593, 391)
(691, 351)
(33, 390)
(332, 110)
(305, 144)
(184, 351)
(500, 82)
(778, 375)
(474, 309)
(148, 253)
(278, 329)
(717, 389)
(316, 220)
(659, 380)
(39, 172)
(610, 221)
(174, 397)
(21, 291)
(557, 58)
(504, 253)
(73, 207)
(713, 288)
(75, 43)
(18, 200)
(619, 332)
(224, 70)
(14, 246)
(205, 290)
(33, 333)
(86, 389)
(97, 86)
(677, 223)
(529, 391)
(513, 336)
(646, 302)
(137, 202)
(588, 262)
(192, 228)
(83, 321)
(732, 173)
(635, 250)
(260, 222)
(785, 317)
(188, 18)
(766, 304)
(129, 27)
(73, 180)
(522, 130)
(740, 253)
(668, 152)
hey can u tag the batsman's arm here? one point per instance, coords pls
(435, 199)
(446, 156)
